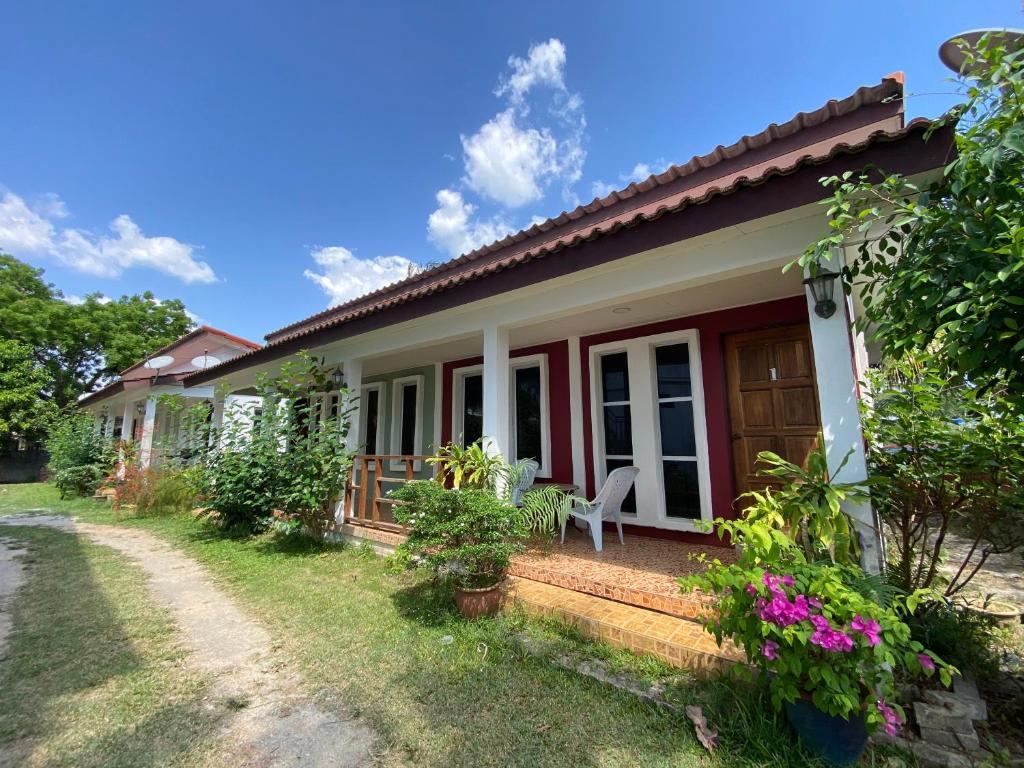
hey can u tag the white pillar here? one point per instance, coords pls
(836, 372)
(108, 427)
(353, 371)
(126, 420)
(579, 457)
(148, 424)
(496, 412)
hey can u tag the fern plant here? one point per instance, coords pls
(547, 507)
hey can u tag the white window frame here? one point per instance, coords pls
(458, 394)
(650, 491)
(597, 405)
(397, 416)
(531, 361)
(364, 413)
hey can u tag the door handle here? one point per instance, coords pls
(736, 435)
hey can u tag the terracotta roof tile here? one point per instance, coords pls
(891, 88)
(440, 279)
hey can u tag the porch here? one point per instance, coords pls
(627, 596)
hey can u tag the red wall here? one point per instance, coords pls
(558, 402)
(710, 327)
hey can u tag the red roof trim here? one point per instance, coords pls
(880, 95)
(578, 236)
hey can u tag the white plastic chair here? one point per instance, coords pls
(607, 504)
(527, 469)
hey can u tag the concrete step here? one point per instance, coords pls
(680, 642)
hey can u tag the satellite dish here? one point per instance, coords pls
(955, 59)
(155, 363)
(205, 361)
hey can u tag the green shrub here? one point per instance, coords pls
(74, 441)
(963, 637)
(811, 628)
(465, 536)
(79, 481)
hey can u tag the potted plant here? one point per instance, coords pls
(819, 632)
(466, 536)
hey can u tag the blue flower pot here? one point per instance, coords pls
(836, 739)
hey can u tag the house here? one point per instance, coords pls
(136, 408)
(652, 327)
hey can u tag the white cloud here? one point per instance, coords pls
(22, 230)
(27, 230)
(544, 64)
(507, 163)
(640, 172)
(452, 228)
(514, 158)
(344, 276)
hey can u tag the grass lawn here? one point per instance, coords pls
(91, 675)
(440, 691)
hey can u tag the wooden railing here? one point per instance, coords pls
(366, 501)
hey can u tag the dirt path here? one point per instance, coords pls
(276, 724)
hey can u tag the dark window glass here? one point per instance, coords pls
(335, 404)
(409, 416)
(682, 495)
(629, 503)
(472, 408)
(257, 418)
(528, 422)
(677, 428)
(618, 431)
(614, 378)
(372, 413)
(673, 364)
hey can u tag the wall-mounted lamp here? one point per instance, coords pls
(338, 377)
(822, 286)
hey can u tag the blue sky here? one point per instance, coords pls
(261, 160)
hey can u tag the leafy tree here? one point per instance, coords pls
(21, 380)
(81, 346)
(941, 266)
(944, 456)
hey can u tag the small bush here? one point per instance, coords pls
(964, 638)
(154, 492)
(466, 536)
(74, 441)
(79, 481)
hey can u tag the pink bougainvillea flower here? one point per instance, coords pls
(867, 627)
(828, 637)
(782, 611)
(770, 650)
(751, 589)
(926, 661)
(891, 716)
(814, 602)
(788, 580)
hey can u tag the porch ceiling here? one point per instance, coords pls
(738, 291)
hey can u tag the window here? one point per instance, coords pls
(371, 419)
(677, 437)
(647, 411)
(407, 411)
(529, 432)
(616, 416)
(468, 413)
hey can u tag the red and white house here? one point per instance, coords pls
(132, 408)
(653, 327)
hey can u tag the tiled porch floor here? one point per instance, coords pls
(642, 572)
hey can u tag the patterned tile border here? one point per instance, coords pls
(680, 642)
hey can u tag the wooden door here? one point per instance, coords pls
(773, 399)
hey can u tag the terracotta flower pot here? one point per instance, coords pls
(474, 603)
